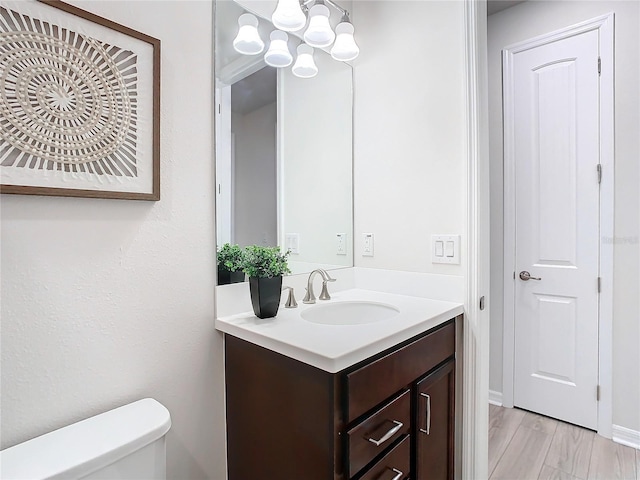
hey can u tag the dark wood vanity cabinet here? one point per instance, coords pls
(390, 417)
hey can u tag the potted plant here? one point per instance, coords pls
(265, 266)
(230, 264)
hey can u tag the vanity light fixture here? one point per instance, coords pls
(319, 33)
(248, 41)
(345, 48)
(278, 54)
(305, 66)
(289, 16)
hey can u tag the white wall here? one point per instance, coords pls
(315, 117)
(410, 131)
(108, 301)
(255, 195)
(520, 23)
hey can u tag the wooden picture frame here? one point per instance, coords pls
(80, 102)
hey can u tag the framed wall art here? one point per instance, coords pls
(79, 104)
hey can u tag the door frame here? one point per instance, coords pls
(224, 163)
(605, 26)
(472, 428)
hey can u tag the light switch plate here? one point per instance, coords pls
(367, 244)
(341, 243)
(292, 243)
(445, 249)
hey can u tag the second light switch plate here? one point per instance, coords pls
(341, 243)
(445, 249)
(367, 244)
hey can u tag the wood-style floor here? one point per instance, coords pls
(523, 445)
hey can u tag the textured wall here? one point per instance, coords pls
(410, 131)
(108, 301)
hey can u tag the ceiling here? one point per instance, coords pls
(254, 91)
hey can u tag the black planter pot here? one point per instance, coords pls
(265, 295)
(225, 277)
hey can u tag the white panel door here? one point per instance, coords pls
(557, 202)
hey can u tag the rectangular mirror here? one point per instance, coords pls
(284, 149)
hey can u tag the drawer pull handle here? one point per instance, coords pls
(398, 474)
(428, 397)
(388, 435)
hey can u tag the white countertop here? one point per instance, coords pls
(335, 347)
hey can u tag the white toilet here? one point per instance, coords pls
(127, 443)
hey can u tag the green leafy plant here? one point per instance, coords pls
(230, 258)
(265, 262)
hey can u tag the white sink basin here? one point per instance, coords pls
(349, 313)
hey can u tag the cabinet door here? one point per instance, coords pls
(434, 424)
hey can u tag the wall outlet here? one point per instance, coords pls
(341, 243)
(367, 244)
(292, 243)
(445, 249)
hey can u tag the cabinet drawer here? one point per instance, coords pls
(393, 466)
(371, 437)
(373, 383)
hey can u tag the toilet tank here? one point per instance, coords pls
(127, 443)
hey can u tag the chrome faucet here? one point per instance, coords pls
(324, 295)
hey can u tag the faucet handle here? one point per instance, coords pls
(291, 299)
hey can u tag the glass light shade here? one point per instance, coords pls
(288, 16)
(305, 66)
(248, 41)
(345, 48)
(319, 33)
(278, 54)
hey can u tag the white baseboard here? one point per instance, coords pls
(626, 436)
(495, 398)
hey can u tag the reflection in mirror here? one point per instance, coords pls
(283, 150)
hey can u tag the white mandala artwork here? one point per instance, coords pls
(69, 107)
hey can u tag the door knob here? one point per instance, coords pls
(526, 276)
